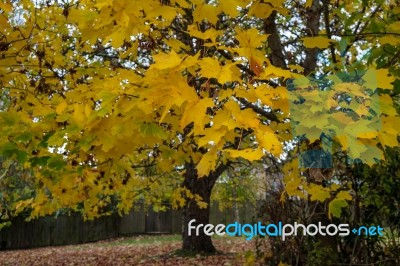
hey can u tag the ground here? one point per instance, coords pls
(137, 250)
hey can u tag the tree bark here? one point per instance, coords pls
(201, 186)
(313, 20)
(276, 57)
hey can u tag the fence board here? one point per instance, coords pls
(72, 229)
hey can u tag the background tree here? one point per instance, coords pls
(239, 185)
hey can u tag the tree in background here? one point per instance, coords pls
(106, 100)
(238, 186)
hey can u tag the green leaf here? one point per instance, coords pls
(43, 143)
(22, 156)
(39, 161)
(24, 137)
(8, 118)
(335, 207)
(56, 139)
(343, 46)
(57, 163)
(8, 149)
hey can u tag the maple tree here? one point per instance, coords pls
(109, 100)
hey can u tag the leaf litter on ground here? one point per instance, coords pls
(137, 250)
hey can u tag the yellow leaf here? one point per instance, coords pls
(230, 7)
(165, 61)
(272, 71)
(6, 7)
(21, 205)
(318, 41)
(368, 135)
(223, 118)
(196, 113)
(343, 141)
(250, 38)
(297, 68)
(166, 12)
(245, 118)
(208, 34)
(205, 11)
(388, 137)
(79, 115)
(261, 9)
(61, 107)
(210, 67)
(265, 94)
(356, 148)
(248, 154)
(248, 94)
(212, 135)
(342, 118)
(362, 110)
(202, 204)
(345, 195)
(207, 163)
(117, 37)
(268, 140)
(167, 108)
(88, 110)
(229, 72)
(182, 3)
(378, 78)
(386, 105)
(390, 39)
(318, 192)
(107, 141)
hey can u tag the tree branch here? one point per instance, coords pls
(269, 115)
(214, 175)
(276, 57)
(313, 18)
(358, 33)
(328, 29)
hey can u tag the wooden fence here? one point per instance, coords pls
(72, 229)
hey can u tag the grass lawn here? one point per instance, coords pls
(137, 250)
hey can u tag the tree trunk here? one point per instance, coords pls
(312, 26)
(201, 242)
(201, 186)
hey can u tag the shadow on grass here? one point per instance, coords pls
(188, 253)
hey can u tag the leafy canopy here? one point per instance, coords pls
(105, 101)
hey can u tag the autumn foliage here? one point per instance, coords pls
(109, 102)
